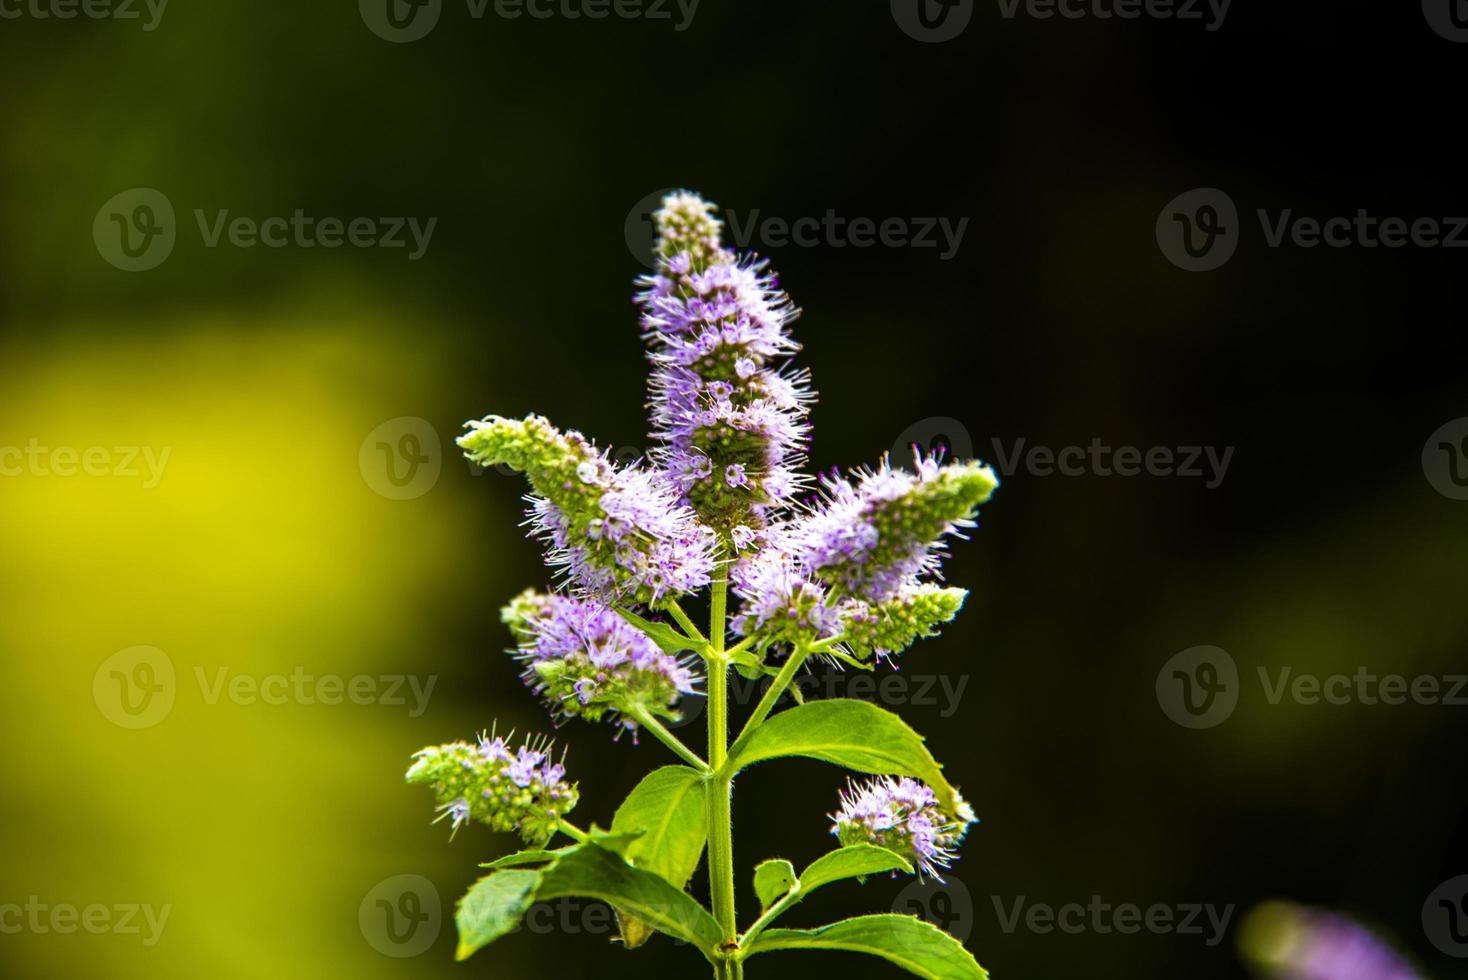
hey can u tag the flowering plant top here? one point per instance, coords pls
(841, 574)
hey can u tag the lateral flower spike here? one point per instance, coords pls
(588, 662)
(904, 816)
(618, 534)
(520, 790)
(890, 627)
(886, 530)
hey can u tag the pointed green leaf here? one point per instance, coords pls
(616, 840)
(918, 947)
(662, 634)
(854, 734)
(773, 881)
(667, 808)
(856, 861)
(590, 871)
(746, 659)
(492, 907)
(521, 858)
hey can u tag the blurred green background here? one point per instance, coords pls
(271, 542)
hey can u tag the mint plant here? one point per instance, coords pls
(842, 580)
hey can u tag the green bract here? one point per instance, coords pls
(851, 577)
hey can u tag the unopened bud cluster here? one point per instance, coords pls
(513, 791)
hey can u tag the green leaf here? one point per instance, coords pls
(662, 634)
(521, 858)
(854, 734)
(667, 809)
(492, 907)
(916, 946)
(750, 672)
(618, 841)
(746, 659)
(590, 871)
(773, 881)
(856, 861)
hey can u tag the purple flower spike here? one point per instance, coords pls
(732, 423)
(902, 815)
(587, 661)
(883, 533)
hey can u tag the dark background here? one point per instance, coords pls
(1058, 321)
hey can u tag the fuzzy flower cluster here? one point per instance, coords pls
(587, 661)
(780, 603)
(510, 790)
(616, 533)
(865, 552)
(885, 531)
(904, 816)
(731, 419)
(853, 570)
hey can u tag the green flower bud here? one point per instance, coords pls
(520, 792)
(890, 627)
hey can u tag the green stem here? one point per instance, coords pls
(767, 703)
(681, 617)
(659, 731)
(740, 647)
(775, 911)
(731, 969)
(720, 785)
(572, 831)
